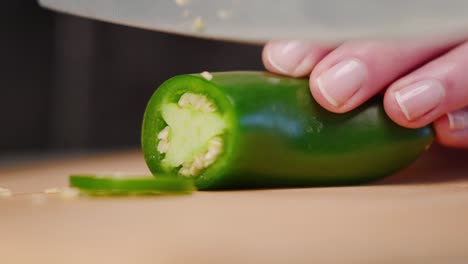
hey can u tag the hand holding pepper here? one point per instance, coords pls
(424, 81)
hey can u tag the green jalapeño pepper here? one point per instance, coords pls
(258, 130)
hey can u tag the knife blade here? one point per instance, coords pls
(260, 20)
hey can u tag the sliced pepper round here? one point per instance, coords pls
(126, 184)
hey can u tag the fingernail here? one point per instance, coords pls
(342, 81)
(419, 98)
(288, 56)
(458, 120)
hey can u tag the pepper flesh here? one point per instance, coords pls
(191, 138)
(276, 135)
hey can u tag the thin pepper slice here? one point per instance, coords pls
(125, 184)
(260, 130)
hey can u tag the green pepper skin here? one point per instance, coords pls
(109, 184)
(278, 136)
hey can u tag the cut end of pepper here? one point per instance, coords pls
(192, 139)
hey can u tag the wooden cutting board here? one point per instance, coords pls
(417, 216)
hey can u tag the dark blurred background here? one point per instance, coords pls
(72, 84)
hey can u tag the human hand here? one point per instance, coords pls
(423, 81)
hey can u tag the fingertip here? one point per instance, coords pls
(449, 136)
(337, 87)
(394, 109)
(292, 58)
(282, 57)
(265, 58)
(322, 98)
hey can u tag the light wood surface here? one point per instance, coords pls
(417, 216)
